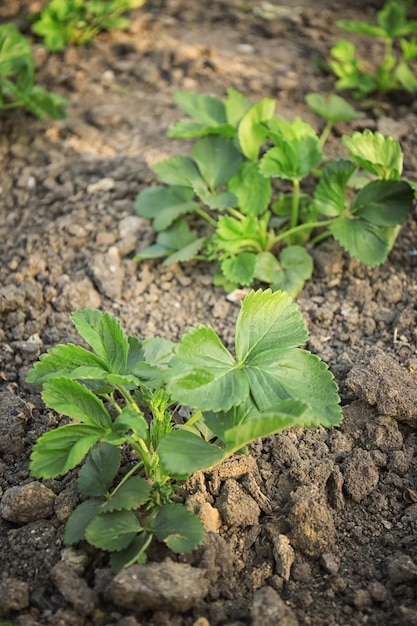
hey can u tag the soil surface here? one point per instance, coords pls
(314, 527)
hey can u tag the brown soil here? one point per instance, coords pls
(315, 526)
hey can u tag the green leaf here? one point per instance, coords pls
(58, 451)
(381, 155)
(240, 268)
(406, 77)
(112, 531)
(182, 453)
(177, 237)
(135, 354)
(236, 106)
(251, 133)
(362, 28)
(297, 267)
(130, 419)
(267, 320)
(63, 360)
(252, 189)
(204, 374)
(99, 470)
(384, 202)
(105, 335)
(330, 194)
(218, 160)
(186, 253)
(187, 129)
(292, 161)
(267, 267)
(208, 110)
(180, 529)
(333, 108)
(75, 400)
(129, 495)
(365, 241)
(258, 424)
(165, 204)
(280, 374)
(178, 171)
(79, 520)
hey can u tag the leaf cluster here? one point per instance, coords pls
(17, 78)
(241, 154)
(397, 67)
(77, 22)
(122, 394)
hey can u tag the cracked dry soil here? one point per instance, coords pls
(314, 527)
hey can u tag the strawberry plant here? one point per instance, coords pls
(123, 395)
(77, 22)
(17, 78)
(397, 67)
(242, 155)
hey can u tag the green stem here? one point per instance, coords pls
(320, 237)
(297, 229)
(206, 216)
(143, 451)
(127, 476)
(325, 134)
(237, 214)
(295, 203)
(194, 418)
(141, 551)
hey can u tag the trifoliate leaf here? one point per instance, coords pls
(179, 528)
(105, 335)
(112, 531)
(182, 453)
(99, 470)
(379, 154)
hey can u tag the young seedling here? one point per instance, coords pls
(229, 180)
(63, 23)
(17, 78)
(396, 69)
(123, 395)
